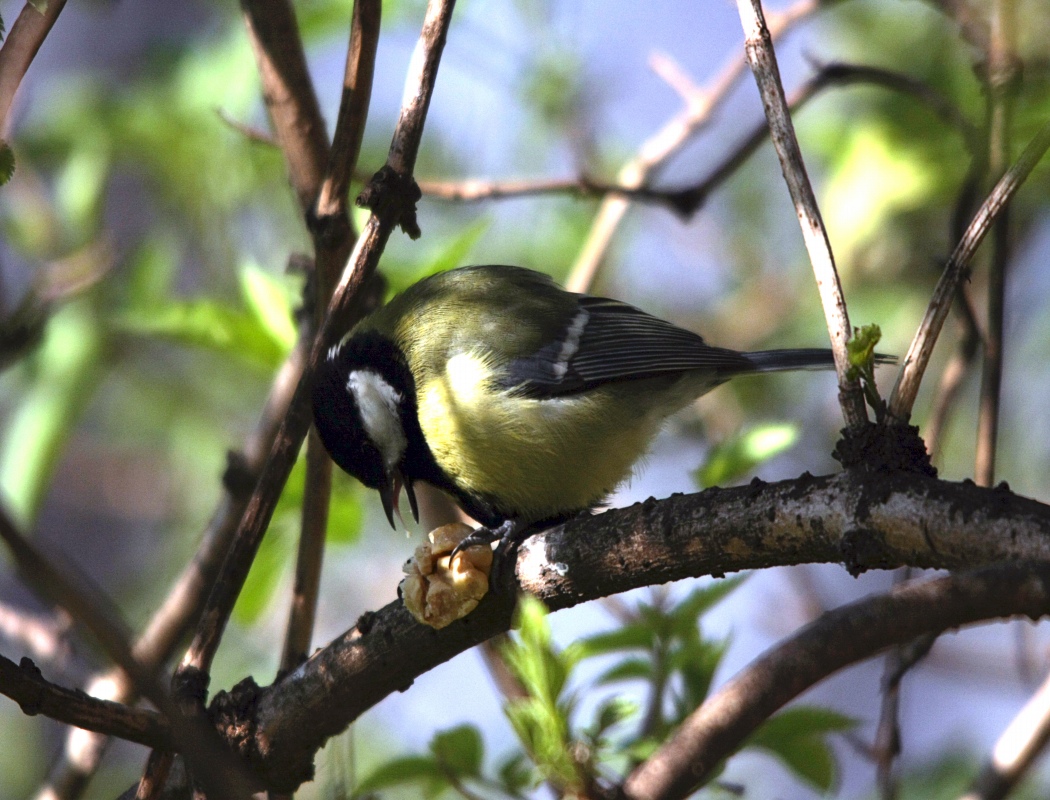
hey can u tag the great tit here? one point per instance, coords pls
(526, 403)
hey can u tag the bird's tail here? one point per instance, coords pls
(804, 358)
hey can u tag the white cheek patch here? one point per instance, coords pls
(378, 403)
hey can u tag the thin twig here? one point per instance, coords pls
(915, 362)
(333, 238)
(25, 684)
(686, 201)
(289, 93)
(20, 48)
(77, 595)
(1002, 71)
(1017, 749)
(839, 638)
(83, 750)
(363, 261)
(659, 148)
(760, 54)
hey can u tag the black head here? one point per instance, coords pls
(364, 410)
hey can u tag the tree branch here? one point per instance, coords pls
(915, 362)
(289, 94)
(878, 520)
(20, 48)
(24, 684)
(841, 637)
(389, 210)
(658, 149)
(1014, 754)
(760, 54)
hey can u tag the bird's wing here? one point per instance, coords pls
(605, 341)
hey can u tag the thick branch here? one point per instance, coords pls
(878, 520)
(836, 640)
(760, 55)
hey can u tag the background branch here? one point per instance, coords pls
(915, 362)
(658, 149)
(24, 684)
(1002, 69)
(20, 48)
(760, 54)
(1023, 741)
(837, 639)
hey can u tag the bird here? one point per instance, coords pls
(526, 403)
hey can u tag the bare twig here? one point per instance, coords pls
(659, 148)
(1002, 70)
(385, 216)
(760, 55)
(333, 237)
(687, 201)
(170, 623)
(915, 362)
(838, 639)
(1020, 745)
(289, 93)
(24, 684)
(20, 48)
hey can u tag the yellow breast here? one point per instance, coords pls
(540, 458)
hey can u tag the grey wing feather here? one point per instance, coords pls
(607, 341)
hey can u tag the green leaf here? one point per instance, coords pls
(696, 662)
(65, 371)
(515, 774)
(632, 636)
(269, 303)
(459, 750)
(796, 737)
(208, 324)
(627, 670)
(455, 252)
(7, 155)
(612, 712)
(739, 455)
(532, 659)
(861, 350)
(701, 600)
(401, 771)
(275, 558)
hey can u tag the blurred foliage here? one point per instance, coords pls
(662, 647)
(738, 455)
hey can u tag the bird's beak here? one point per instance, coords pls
(390, 494)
